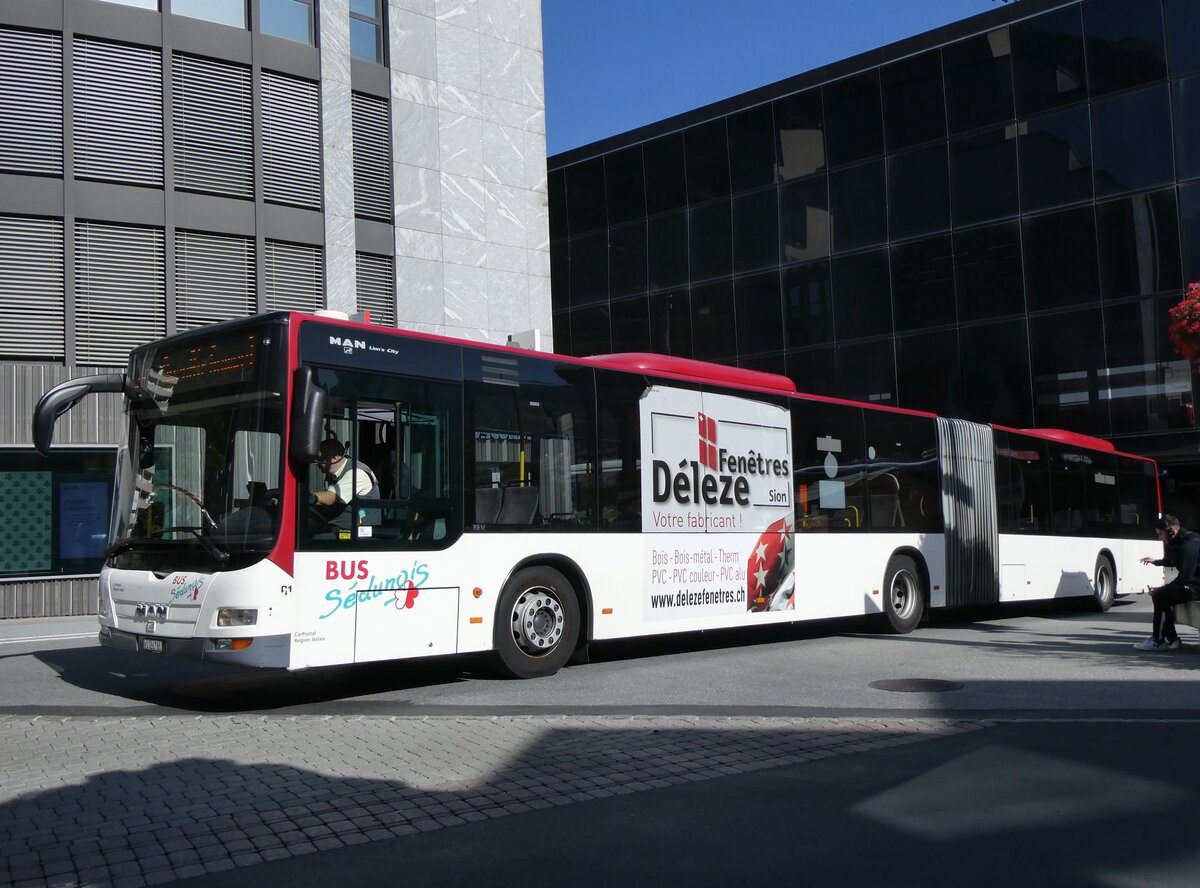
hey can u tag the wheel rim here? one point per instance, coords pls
(1103, 584)
(903, 594)
(537, 621)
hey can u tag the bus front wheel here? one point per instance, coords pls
(537, 623)
(1104, 590)
(903, 594)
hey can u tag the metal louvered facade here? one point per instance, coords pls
(969, 507)
(118, 112)
(31, 102)
(212, 126)
(376, 291)
(120, 290)
(294, 277)
(31, 288)
(372, 158)
(291, 141)
(214, 278)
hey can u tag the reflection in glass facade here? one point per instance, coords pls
(989, 221)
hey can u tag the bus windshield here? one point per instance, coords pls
(198, 486)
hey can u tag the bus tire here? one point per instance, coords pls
(903, 594)
(1104, 587)
(537, 623)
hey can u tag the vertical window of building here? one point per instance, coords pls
(804, 219)
(1185, 109)
(814, 371)
(1149, 385)
(671, 323)
(862, 295)
(376, 289)
(756, 230)
(366, 30)
(710, 240)
(1131, 146)
(214, 278)
(1189, 227)
(289, 19)
(706, 149)
(1182, 24)
(667, 251)
(751, 148)
(927, 376)
(995, 373)
(1060, 259)
(799, 135)
(291, 141)
(714, 321)
(1048, 61)
(987, 272)
(1056, 159)
(118, 112)
(1069, 380)
(625, 185)
(627, 259)
(590, 331)
(665, 186)
(561, 325)
(212, 126)
(31, 102)
(807, 305)
(630, 324)
(867, 372)
(120, 291)
(372, 158)
(222, 12)
(979, 81)
(589, 268)
(1125, 44)
(858, 204)
(918, 184)
(983, 176)
(853, 118)
(585, 196)
(294, 277)
(759, 313)
(1139, 245)
(923, 283)
(914, 103)
(31, 288)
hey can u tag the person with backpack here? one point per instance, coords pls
(1182, 552)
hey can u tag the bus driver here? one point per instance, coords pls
(344, 480)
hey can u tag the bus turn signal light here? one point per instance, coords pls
(476, 591)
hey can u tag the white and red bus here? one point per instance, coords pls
(526, 504)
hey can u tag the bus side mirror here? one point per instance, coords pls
(308, 412)
(66, 395)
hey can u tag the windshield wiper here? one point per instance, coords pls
(219, 555)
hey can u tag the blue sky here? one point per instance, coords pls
(614, 65)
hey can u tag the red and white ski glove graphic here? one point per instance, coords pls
(770, 574)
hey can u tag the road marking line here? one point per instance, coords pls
(29, 638)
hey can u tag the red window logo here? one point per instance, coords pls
(708, 441)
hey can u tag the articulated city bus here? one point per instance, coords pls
(526, 504)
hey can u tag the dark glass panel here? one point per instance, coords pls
(807, 305)
(927, 372)
(904, 480)
(755, 230)
(667, 250)
(589, 268)
(1185, 102)
(560, 275)
(1183, 24)
(1060, 259)
(775, 363)
(751, 148)
(710, 241)
(867, 372)
(918, 192)
(671, 324)
(585, 196)
(861, 295)
(1139, 245)
(995, 374)
(978, 81)
(923, 283)
(707, 158)
(914, 106)
(1056, 159)
(713, 322)
(1124, 44)
(625, 185)
(983, 176)
(589, 331)
(814, 371)
(630, 325)
(987, 272)
(853, 118)
(1131, 146)
(561, 325)
(1067, 356)
(557, 186)
(619, 433)
(627, 259)
(1022, 483)
(1048, 62)
(804, 209)
(799, 135)
(858, 203)
(663, 162)
(1150, 388)
(1189, 219)
(830, 467)
(759, 313)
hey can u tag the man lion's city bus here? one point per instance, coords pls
(526, 504)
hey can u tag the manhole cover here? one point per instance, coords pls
(916, 685)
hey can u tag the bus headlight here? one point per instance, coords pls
(236, 616)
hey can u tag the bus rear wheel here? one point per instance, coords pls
(537, 623)
(903, 594)
(1104, 588)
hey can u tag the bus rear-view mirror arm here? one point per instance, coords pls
(66, 395)
(308, 413)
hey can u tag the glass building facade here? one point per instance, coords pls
(987, 221)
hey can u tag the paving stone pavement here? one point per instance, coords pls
(145, 801)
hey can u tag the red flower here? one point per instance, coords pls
(1184, 328)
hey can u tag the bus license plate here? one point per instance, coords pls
(153, 646)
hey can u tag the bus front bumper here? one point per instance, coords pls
(265, 651)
